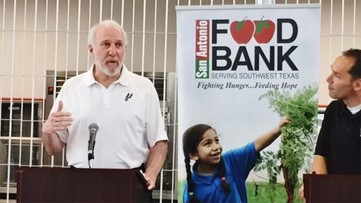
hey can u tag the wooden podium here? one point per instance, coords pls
(332, 188)
(36, 184)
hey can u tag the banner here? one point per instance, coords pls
(228, 56)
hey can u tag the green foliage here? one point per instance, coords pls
(267, 193)
(256, 192)
(297, 139)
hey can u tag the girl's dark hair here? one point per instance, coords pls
(191, 138)
(355, 70)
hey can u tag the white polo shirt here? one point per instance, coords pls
(127, 113)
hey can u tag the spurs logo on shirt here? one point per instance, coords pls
(129, 95)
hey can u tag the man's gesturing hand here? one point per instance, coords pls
(58, 120)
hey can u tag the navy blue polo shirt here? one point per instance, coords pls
(339, 140)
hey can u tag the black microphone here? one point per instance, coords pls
(93, 129)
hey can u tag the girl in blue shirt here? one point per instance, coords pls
(219, 177)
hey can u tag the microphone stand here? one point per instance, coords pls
(90, 157)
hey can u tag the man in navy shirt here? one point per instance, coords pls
(338, 148)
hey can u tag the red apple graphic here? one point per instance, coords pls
(264, 31)
(242, 31)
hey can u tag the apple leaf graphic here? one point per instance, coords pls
(240, 25)
(262, 24)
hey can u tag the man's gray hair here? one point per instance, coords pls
(109, 23)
